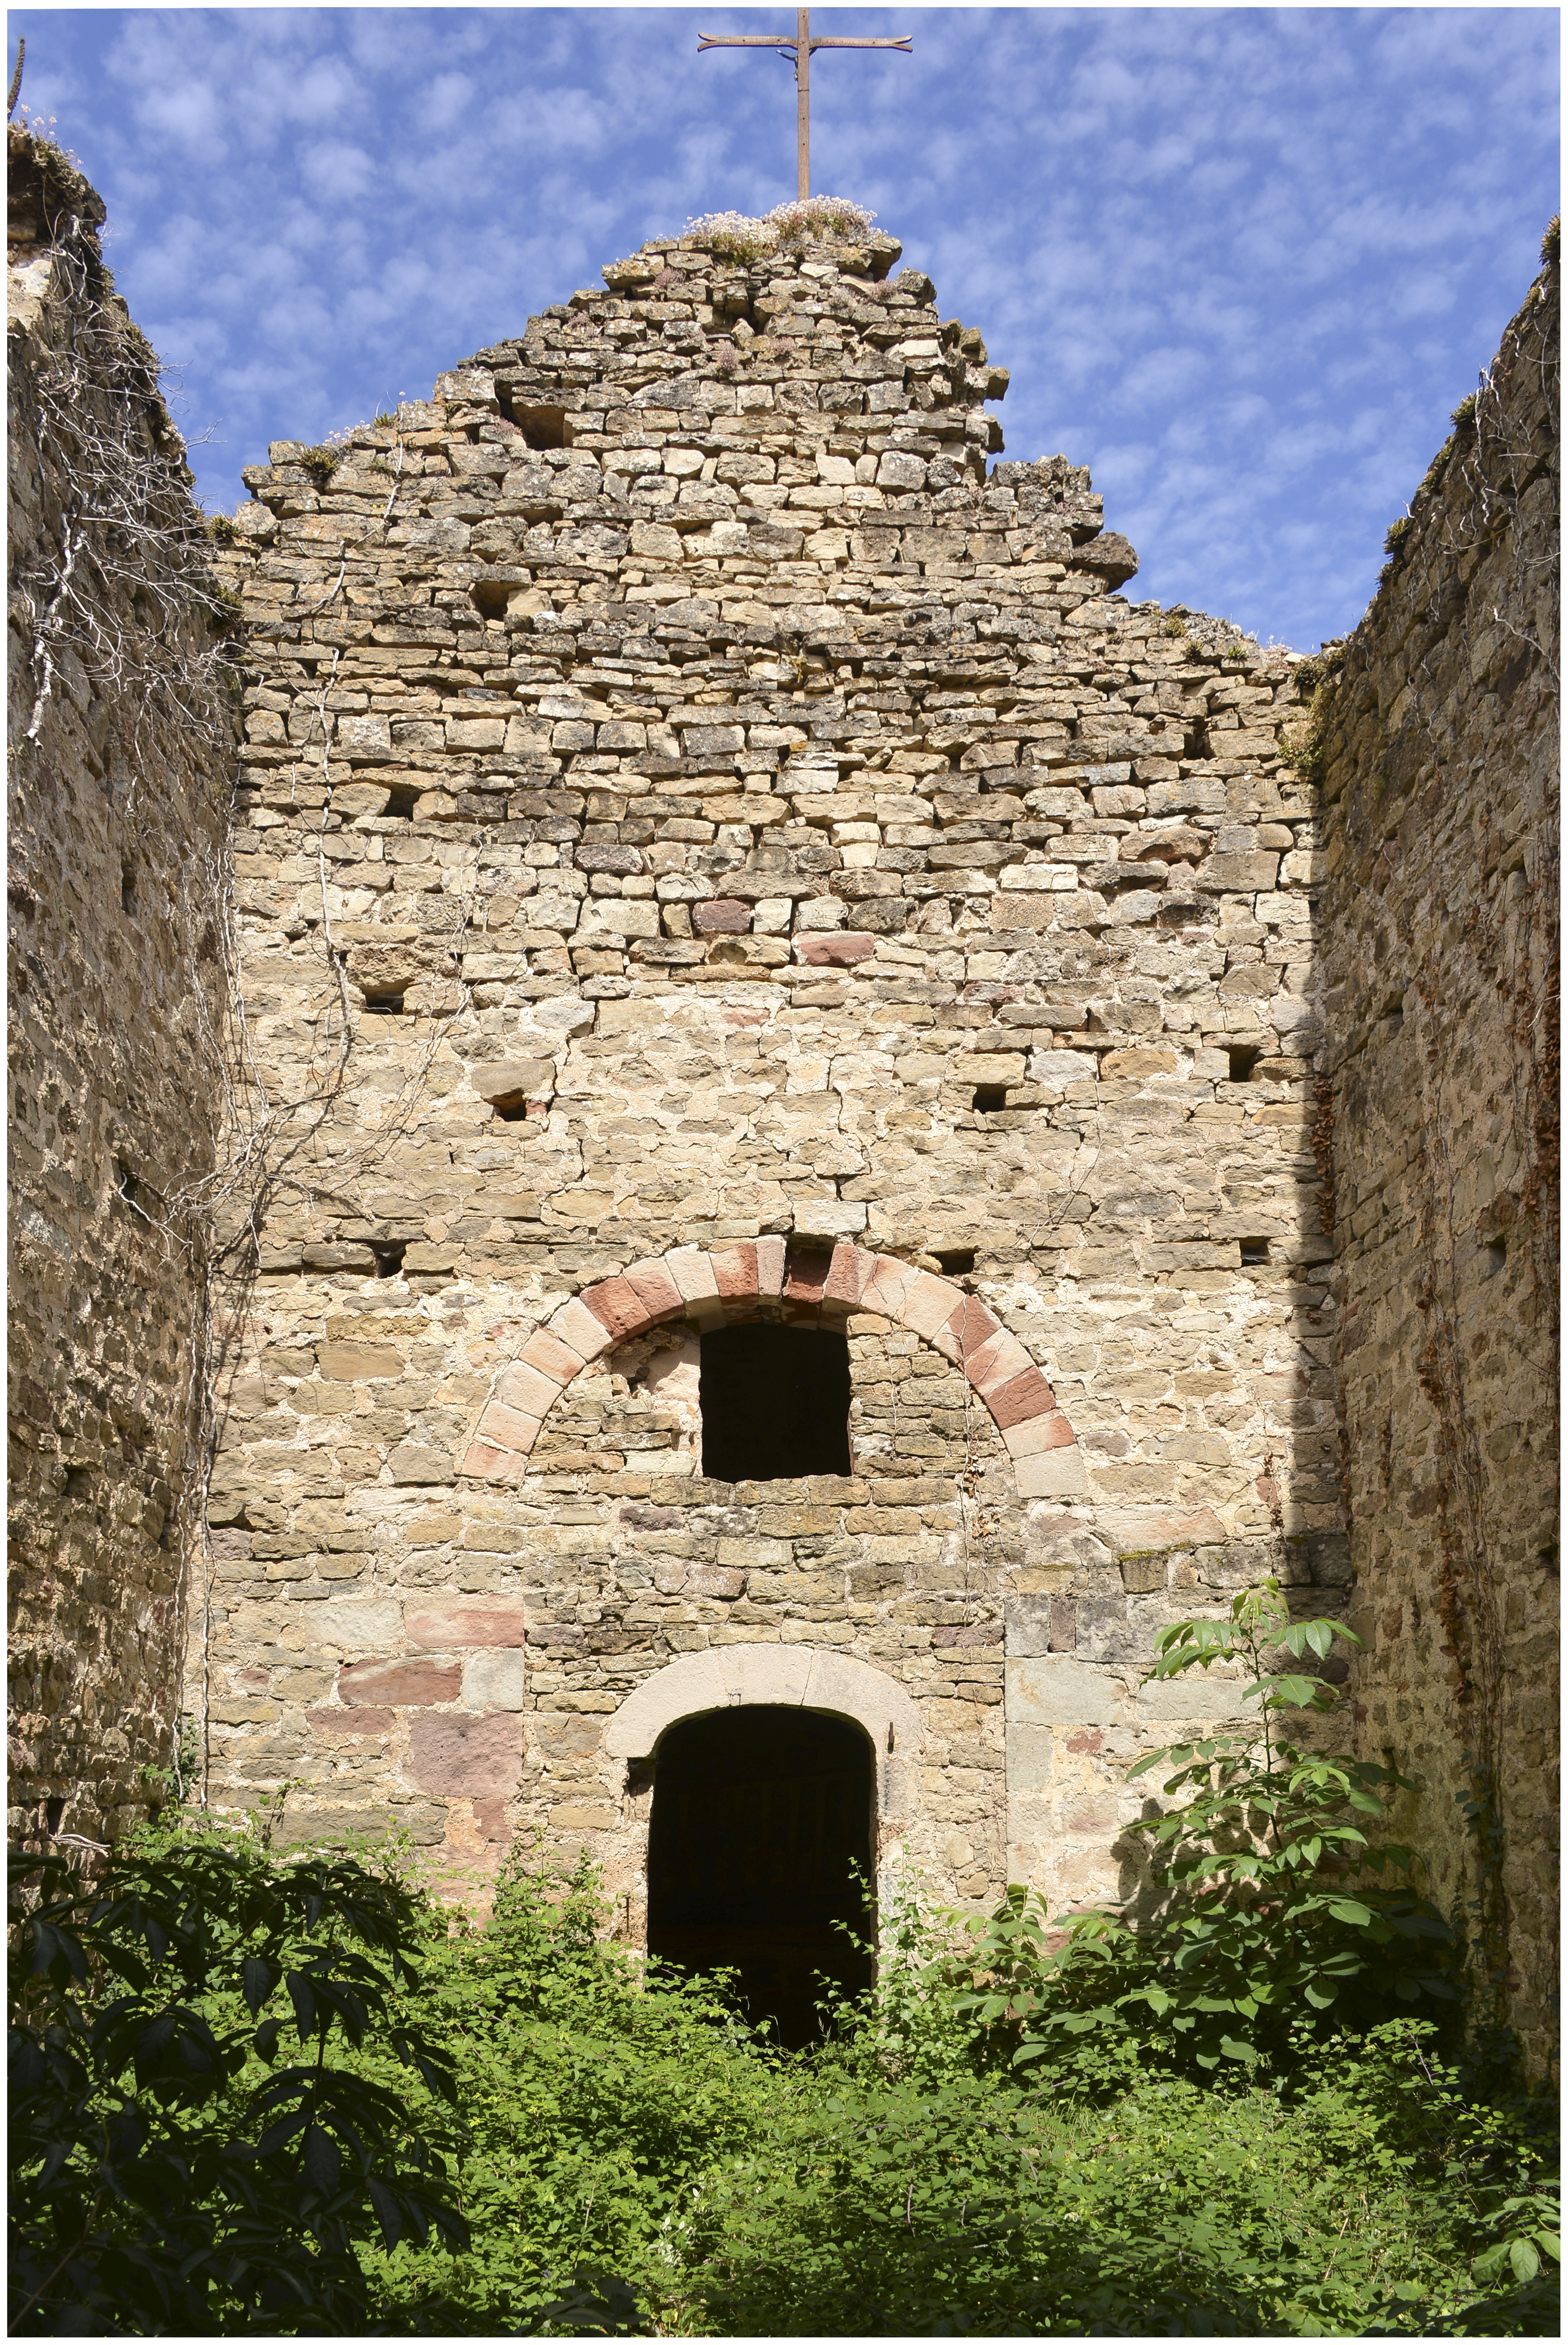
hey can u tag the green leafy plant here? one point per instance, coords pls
(167, 2174)
(320, 461)
(1273, 1900)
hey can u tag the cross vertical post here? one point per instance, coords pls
(800, 48)
(802, 103)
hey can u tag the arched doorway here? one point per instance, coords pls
(760, 1843)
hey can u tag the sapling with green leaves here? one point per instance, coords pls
(1273, 1898)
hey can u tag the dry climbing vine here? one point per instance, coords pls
(123, 614)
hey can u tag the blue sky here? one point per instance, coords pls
(1242, 262)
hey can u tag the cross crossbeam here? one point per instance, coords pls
(800, 48)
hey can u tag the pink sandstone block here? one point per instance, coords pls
(970, 1328)
(443, 1627)
(849, 1273)
(407, 1685)
(617, 1306)
(486, 1463)
(692, 1271)
(997, 1362)
(527, 1389)
(724, 916)
(1030, 1430)
(735, 1273)
(806, 1273)
(652, 1282)
(576, 1326)
(770, 1266)
(888, 1286)
(837, 949)
(465, 1757)
(929, 1305)
(545, 1351)
(507, 1429)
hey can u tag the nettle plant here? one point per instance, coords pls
(1279, 1918)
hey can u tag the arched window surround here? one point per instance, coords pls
(809, 1282)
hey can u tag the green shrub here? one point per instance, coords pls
(1178, 2209)
(1275, 1911)
(1210, 2127)
(167, 2175)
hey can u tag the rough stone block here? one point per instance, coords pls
(460, 1757)
(1057, 1690)
(413, 1462)
(404, 1685)
(1052, 1474)
(466, 1622)
(835, 949)
(345, 1624)
(495, 1681)
(828, 1217)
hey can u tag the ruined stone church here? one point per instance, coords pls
(743, 1124)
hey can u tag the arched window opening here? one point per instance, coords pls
(774, 1403)
(760, 1845)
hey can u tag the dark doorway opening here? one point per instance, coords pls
(774, 1403)
(760, 1843)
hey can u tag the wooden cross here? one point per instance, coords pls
(801, 48)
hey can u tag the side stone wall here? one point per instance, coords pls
(120, 768)
(698, 814)
(1436, 737)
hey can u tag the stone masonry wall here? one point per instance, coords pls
(732, 855)
(119, 784)
(1436, 742)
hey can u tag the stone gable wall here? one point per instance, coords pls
(118, 800)
(741, 831)
(1437, 738)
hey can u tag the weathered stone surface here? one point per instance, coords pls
(402, 1683)
(446, 1627)
(121, 759)
(1436, 1144)
(453, 1756)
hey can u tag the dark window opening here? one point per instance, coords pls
(774, 1403)
(54, 1816)
(511, 1108)
(389, 1256)
(1496, 1251)
(542, 427)
(1242, 1063)
(400, 803)
(760, 1845)
(129, 903)
(990, 1099)
(1254, 1251)
(491, 595)
(130, 1189)
(384, 1005)
(957, 1260)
